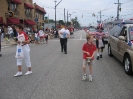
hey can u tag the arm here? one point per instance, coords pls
(86, 52)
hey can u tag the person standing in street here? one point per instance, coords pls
(88, 56)
(0, 41)
(2, 33)
(23, 42)
(100, 41)
(41, 36)
(65, 35)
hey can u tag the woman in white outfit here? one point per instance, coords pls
(23, 42)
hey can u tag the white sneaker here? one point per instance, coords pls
(18, 74)
(90, 78)
(84, 77)
(28, 72)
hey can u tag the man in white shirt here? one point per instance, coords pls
(10, 31)
(64, 35)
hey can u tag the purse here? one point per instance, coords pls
(19, 52)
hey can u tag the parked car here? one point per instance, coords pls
(120, 45)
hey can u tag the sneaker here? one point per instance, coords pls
(0, 55)
(84, 77)
(90, 78)
(97, 57)
(101, 56)
(28, 73)
(18, 74)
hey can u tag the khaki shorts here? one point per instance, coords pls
(89, 63)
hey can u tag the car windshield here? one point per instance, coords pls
(131, 32)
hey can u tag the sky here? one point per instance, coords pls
(83, 9)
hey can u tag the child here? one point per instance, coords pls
(36, 38)
(23, 42)
(88, 56)
(100, 41)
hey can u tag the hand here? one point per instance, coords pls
(18, 42)
(88, 53)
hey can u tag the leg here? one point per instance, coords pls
(84, 70)
(65, 46)
(97, 45)
(19, 64)
(0, 47)
(26, 51)
(61, 43)
(90, 70)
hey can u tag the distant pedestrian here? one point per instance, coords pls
(47, 31)
(100, 44)
(65, 34)
(88, 56)
(0, 41)
(24, 49)
(36, 38)
(41, 36)
(10, 32)
(2, 33)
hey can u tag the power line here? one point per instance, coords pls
(127, 1)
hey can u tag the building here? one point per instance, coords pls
(23, 12)
(39, 14)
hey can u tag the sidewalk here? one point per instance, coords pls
(5, 43)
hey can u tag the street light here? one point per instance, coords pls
(55, 11)
(71, 14)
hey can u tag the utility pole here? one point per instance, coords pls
(55, 11)
(67, 16)
(100, 16)
(118, 9)
(64, 16)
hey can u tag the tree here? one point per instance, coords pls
(61, 22)
(75, 22)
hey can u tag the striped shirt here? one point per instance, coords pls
(99, 34)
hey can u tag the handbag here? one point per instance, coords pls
(19, 52)
(101, 43)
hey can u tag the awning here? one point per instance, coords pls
(28, 6)
(1, 20)
(29, 22)
(13, 21)
(17, 1)
(40, 9)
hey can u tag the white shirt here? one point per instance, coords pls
(10, 30)
(41, 33)
(65, 31)
(36, 35)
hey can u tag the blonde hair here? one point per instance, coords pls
(88, 37)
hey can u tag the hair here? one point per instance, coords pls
(88, 37)
(20, 26)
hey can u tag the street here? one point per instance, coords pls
(59, 76)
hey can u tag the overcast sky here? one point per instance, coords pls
(87, 8)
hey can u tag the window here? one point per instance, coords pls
(131, 32)
(27, 11)
(36, 14)
(12, 6)
(115, 31)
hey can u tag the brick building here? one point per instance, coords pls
(21, 12)
(39, 14)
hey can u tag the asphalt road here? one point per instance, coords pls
(59, 76)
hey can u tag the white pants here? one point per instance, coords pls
(26, 52)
